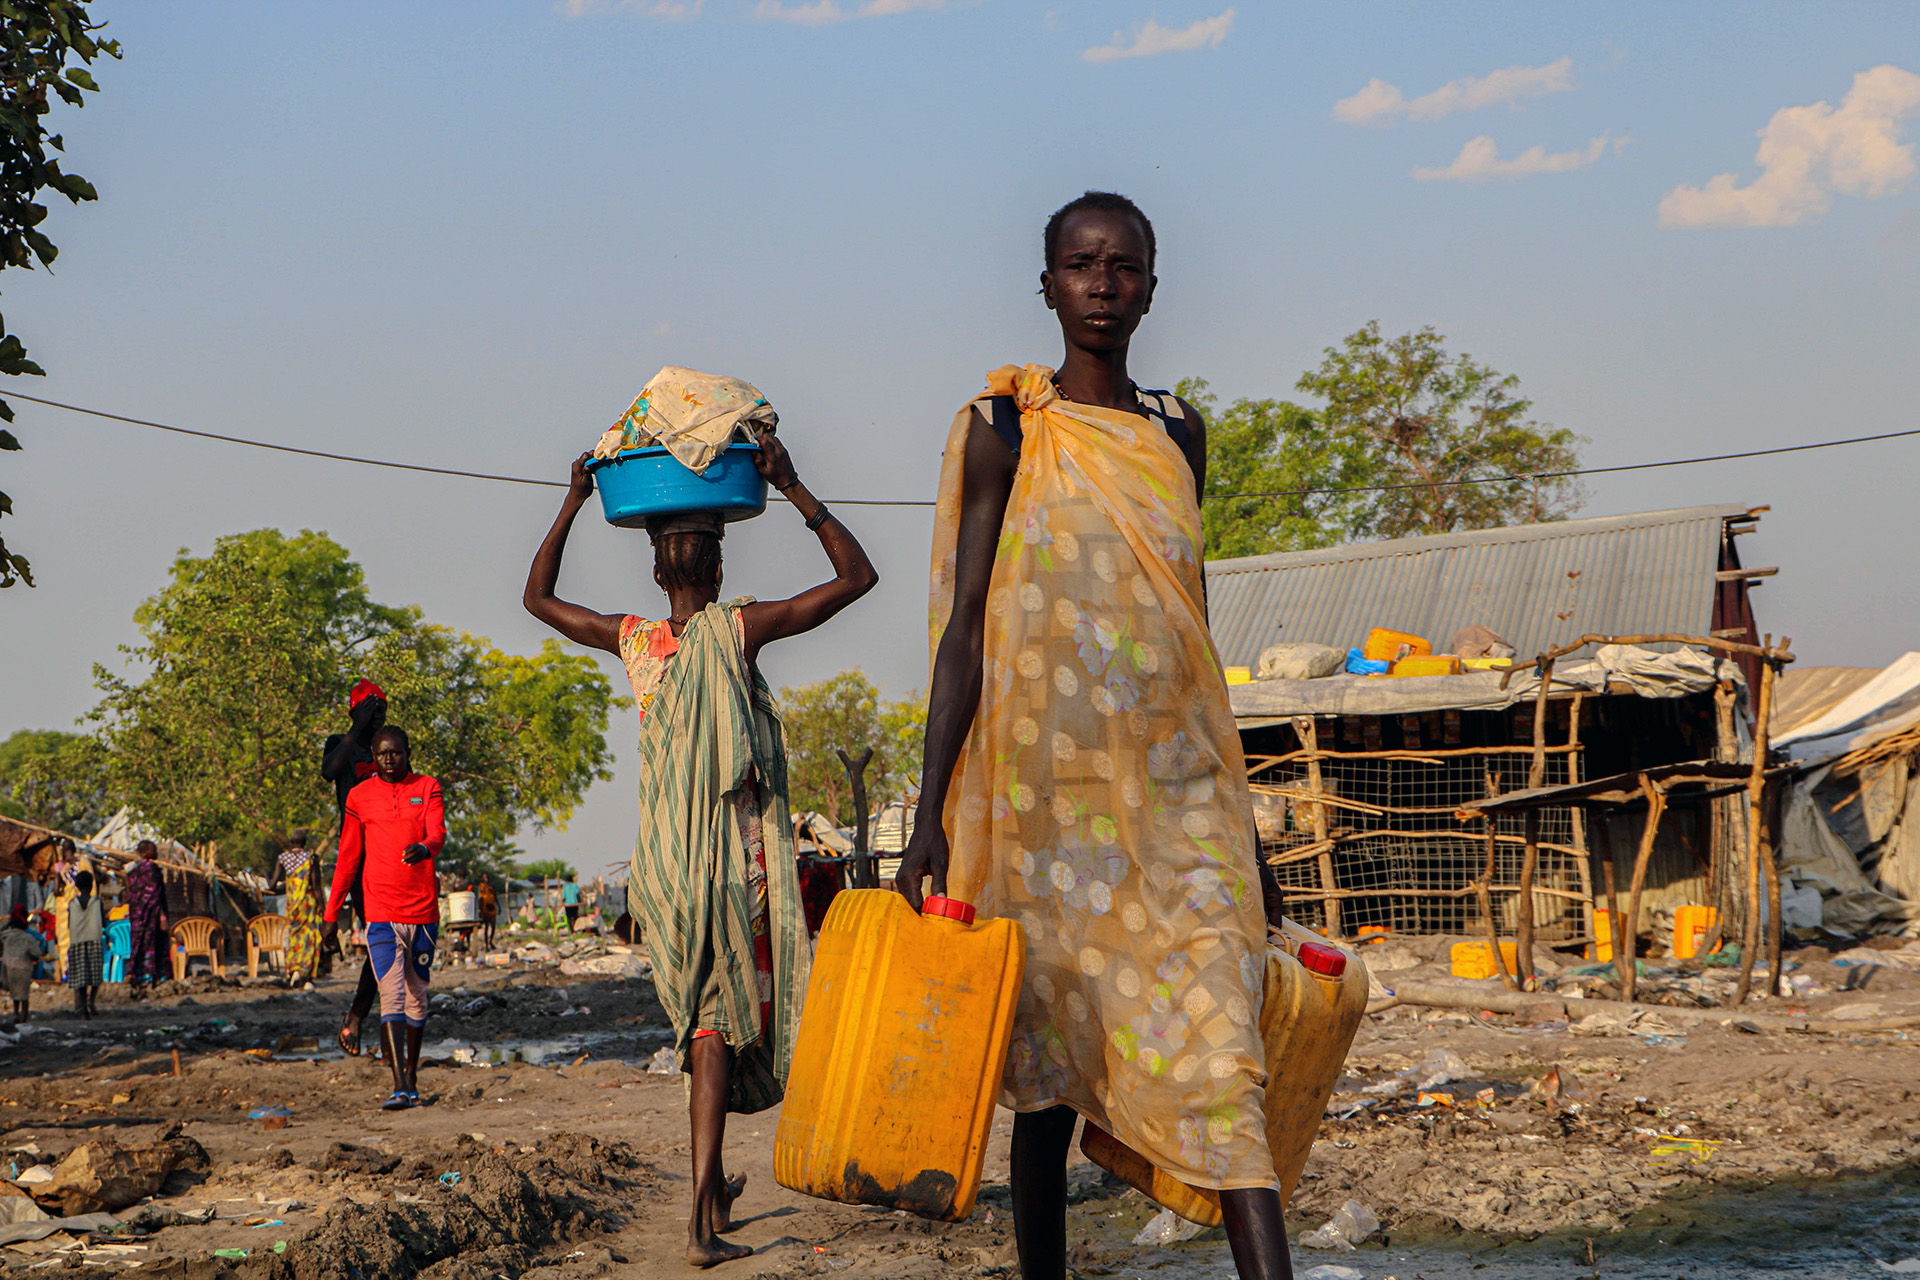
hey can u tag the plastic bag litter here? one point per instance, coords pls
(1439, 1067)
(1333, 1271)
(1167, 1227)
(695, 415)
(1911, 1265)
(1350, 1224)
(664, 1062)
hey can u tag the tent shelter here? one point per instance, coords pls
(1360, 780)
(1850, 826)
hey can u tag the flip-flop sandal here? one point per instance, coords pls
(350, 1034)
(413, 1097)
(400, 1101)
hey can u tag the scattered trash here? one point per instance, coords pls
(271, 1222)
(1441, 1066)
(230, 1253)
(106, 1176)
(1434, 1100)
(1696, 1150)
(279, 1246)
(1330, 1271)
(39, 1173)
(271, 1117)
(1856, 1012)
(1350, 1224)
(664, 1062)
(1905, 1264)
(450, 1179)
(1167, 1227)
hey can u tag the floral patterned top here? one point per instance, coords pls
(644, 649)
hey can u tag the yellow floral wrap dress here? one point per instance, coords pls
(1101, 799)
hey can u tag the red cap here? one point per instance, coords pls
(364, 690)
(951, 908)
(1323, 959)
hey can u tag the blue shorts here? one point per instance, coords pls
(402, 958)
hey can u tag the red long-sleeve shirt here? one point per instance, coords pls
(382, 819)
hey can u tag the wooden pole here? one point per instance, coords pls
(1484, 888)
(1756, 788)
(1776, 980)
(1628, 931)
(1577, 815)
(1613, 903)
(1530, 855)
(864, 874)
(1726, 749)
(1317, 810)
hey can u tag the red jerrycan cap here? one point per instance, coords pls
(1320, 958)
(951, 908)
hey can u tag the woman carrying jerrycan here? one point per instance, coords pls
(1082, 772)
(713, 879)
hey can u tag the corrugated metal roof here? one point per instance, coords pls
(1538, 585)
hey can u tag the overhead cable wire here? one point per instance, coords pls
(923, 502)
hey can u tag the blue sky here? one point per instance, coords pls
(467, 233)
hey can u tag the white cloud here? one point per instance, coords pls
(821, 12)
(1807, 153)
(670, 9)
(1380, 101)
(1481, 159)
(1152, 38)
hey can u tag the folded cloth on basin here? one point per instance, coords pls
(695, 415)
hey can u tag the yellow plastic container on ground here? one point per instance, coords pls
(1601, 952)
(1475, 959)
(1239, 675)
(1691, 924)
(1429, 664)
(899, 1056)
(1316, 996)
(1385, 645)
(1486, 664)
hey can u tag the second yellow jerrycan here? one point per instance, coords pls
(899, 1056)
(1315, 998)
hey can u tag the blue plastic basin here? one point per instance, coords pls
(652, 482)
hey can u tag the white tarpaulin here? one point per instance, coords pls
(1856, 835)
(1646, 672)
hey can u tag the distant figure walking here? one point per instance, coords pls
(86, 953)
(487, 904)
(296, 870)
(712, 883)
(20, 951)
(147, 919)
(395, 827)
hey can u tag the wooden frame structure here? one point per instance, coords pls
(1314, 806)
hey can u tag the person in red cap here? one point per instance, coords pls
(346, 762)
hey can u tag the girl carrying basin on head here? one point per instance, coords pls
(713, 884)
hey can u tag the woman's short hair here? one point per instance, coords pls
(687, 560)
(1098, 202)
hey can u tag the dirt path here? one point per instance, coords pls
(579, 1169)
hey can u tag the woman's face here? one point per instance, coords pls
(1098, 282)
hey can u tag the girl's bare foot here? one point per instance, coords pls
(721, 1218)
(712, 1251)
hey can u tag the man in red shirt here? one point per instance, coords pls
(395, 826)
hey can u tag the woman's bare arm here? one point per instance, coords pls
(576, 622)
(987, 480)
(765, 621)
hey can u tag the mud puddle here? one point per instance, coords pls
(1843, 1228)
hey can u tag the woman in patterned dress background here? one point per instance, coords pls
(713, 882)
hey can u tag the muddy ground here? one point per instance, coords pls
(577, 1168)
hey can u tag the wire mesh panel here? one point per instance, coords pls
(1386, 826)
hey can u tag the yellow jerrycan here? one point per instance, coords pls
(899, 1056)
(1315, 998)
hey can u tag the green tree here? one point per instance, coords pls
(1276, 450)
(248, 654)
(1441, 425)
(48, 778)
(544, 869)
(1398, 411)
(844, 712)
(37, 38)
